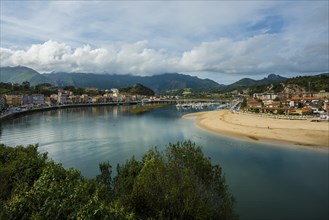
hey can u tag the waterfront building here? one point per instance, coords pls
(62, 99)
(62, 96)
(98, 99)
(27, 100)
(116, 95)
(38, 99)
(84, 98)
(14, 100)
(35, 99)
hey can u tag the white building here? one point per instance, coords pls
(116, 95)
(265, 96)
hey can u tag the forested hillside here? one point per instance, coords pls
(138, 89)
(296, 84)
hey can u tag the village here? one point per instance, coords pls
(305, 104)
(313, 104)
(20, 103)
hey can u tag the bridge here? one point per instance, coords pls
(186, 101)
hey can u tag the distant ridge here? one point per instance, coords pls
(158, 83)
(247, 82)
(164, 82)
(19, 74)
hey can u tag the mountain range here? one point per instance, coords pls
(247, 82)
(20, 74)
(158, 83)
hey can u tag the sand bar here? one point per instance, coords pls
(248, 127)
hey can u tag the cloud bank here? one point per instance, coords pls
(213, 39)
(260, 54)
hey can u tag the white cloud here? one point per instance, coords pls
(125, 58)
(146, 37)
(255, 55)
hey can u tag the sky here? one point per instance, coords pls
(220, 40)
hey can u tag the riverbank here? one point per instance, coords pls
(15, 114)
(248, 127)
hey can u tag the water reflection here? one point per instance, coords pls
(263, 178)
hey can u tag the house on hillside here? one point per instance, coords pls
(253, 103)
(265, 96)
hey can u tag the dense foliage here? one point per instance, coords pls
(303, 83)
(25, 88)
(138, 89)
(45, 88)
(312, 83)
(179, 183)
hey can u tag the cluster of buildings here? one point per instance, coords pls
(66, 97)
(307, 103)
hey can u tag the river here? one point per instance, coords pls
(268, 182)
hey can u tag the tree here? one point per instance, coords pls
(26, 85)
(244, 103)
(62, 194)
(178, 184)
(300, 105)
(19, 168)
(105, 177)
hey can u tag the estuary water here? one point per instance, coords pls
(268, 182)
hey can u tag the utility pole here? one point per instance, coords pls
(309, 86)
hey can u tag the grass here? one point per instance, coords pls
(145, 108)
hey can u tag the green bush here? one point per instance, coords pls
(179, 183)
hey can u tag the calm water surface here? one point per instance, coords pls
(268, 182)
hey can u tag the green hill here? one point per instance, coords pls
(247, 83)
(20, 74)
(296, 84)
(138, 89)
(157, 83)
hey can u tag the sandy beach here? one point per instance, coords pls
(248, 127)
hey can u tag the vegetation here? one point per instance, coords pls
(243, 103)
(312, 83)
(138, 89)
(45, 88)
(145, 108)
(157, 83)
(304, 83)
(246, 83)
(20, 74)
(167, 84)
(179, 183)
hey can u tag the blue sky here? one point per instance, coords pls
(220, 40)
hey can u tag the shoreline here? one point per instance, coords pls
(30, 111)
(299, 133)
